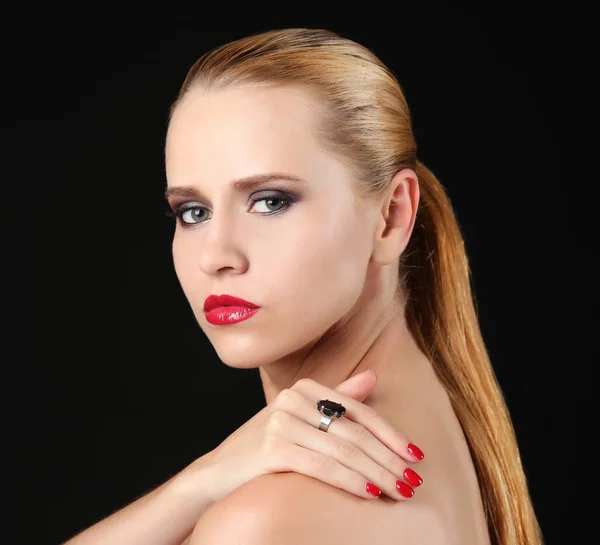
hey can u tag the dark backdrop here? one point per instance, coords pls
(111, 387)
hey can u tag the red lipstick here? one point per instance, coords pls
(227, 309)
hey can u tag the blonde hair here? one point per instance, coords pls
(366, 124)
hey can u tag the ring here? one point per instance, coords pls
(329, 410)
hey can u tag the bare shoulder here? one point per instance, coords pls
(299, 510)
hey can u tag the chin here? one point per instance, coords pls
(251, 351)
(241, 363)
(240, 352)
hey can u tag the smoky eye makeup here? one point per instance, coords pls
(193, 213)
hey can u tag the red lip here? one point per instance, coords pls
(224, 300)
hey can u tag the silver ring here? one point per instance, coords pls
(325, 421)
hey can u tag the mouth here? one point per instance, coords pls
(226, 300)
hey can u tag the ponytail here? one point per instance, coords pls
(441, 315)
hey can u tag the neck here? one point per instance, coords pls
(375, 336)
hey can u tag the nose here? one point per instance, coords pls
(221, 247)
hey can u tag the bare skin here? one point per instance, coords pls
(409, 396)
(323, 271)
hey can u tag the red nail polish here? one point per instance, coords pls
(412, 477)
(415, 451)
(404, 489)
(373, 490)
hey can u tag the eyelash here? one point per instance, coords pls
(177, 213)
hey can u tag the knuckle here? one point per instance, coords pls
(321, 463)
(396, 465)
(272, 445)
(347, 449)
(273, 453)
(384, 475)
(372, 413)
(360, 433)
(285, 397)
(276, 421)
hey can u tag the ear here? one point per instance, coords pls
(397, 219)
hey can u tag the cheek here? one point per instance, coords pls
(322, 268)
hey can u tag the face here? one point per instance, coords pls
(297, 249)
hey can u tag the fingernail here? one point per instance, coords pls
(412, 477)
(415, 451)
(373, 490)
(404, 489)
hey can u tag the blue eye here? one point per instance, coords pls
(189, 214)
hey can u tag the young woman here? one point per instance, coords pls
(312, 244)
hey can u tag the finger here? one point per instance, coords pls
(364, 415)
(291, 408)
(295, 458)
(296, 404)
(350, 455)
(359, 386)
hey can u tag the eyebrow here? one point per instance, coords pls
(248, 182)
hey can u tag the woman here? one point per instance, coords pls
(293, 174)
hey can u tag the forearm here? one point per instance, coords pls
(165, 516)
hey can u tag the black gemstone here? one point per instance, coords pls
(331, 408)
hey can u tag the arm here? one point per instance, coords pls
(165, 516)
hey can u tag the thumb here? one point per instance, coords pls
(359, 386)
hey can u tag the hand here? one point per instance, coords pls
(357, 450)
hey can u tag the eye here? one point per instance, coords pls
(193, 215)
(280, 203)
(188, 215)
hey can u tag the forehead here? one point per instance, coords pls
(241, 130)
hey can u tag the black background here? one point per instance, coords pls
(111, 387)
